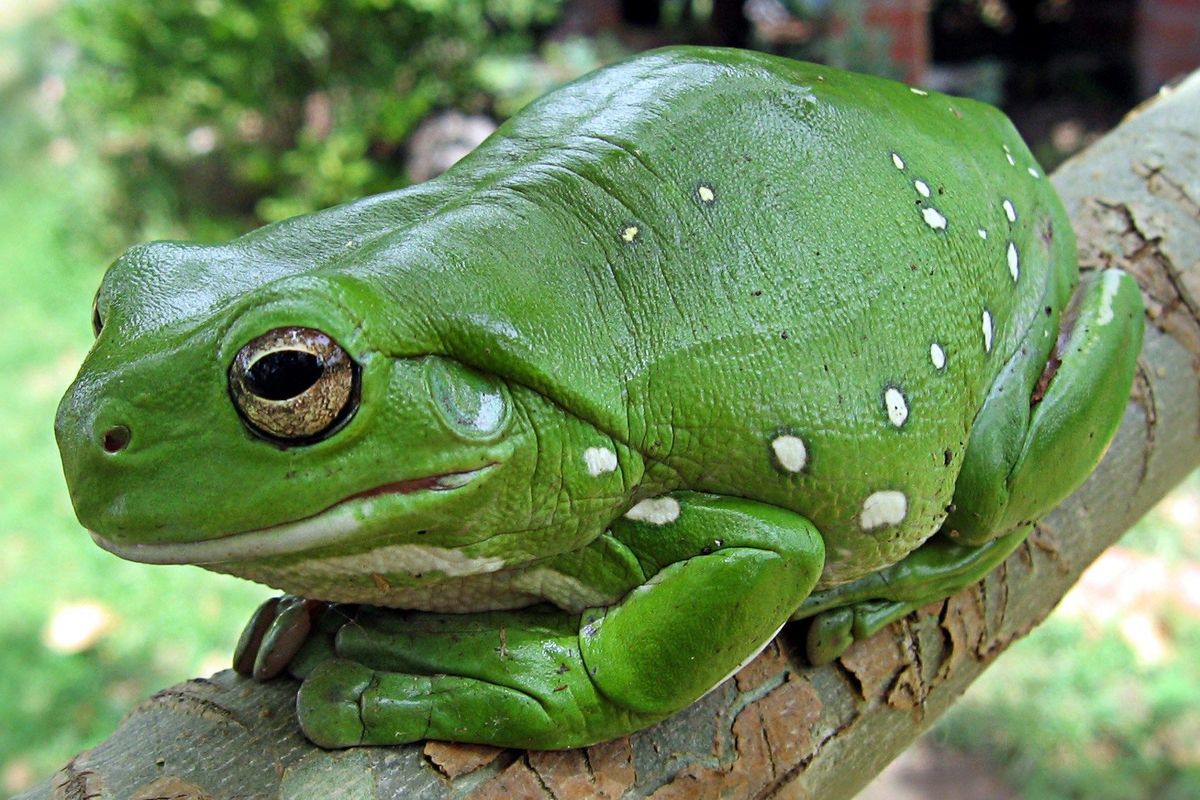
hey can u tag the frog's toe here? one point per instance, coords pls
(275, 635)
(250, 642)
(328, 704)
(832, 632)
(829, 634)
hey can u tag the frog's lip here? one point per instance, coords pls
(342, 520)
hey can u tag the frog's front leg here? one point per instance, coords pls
(722, 576)
(1038, 436)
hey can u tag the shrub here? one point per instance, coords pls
(269, 108)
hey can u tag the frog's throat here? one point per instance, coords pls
(341, 521)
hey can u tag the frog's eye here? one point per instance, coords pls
(294, 385)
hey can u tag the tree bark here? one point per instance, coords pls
(778, 729)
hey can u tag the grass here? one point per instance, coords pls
(1098, 707)
(162, 624)
(1071, 714)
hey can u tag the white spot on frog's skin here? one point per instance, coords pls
(1011, 161)
(987, 331)
(1013, 266)
(790, 452)
(629, 233)
(1009, 211)
(655, 510)
(1033, 173)
(922, 188)
(982, 233)
(883, 508)
(705, 194)
(599, 460)
(937, 355)
(897, 406)
(1107, 294)
(918, 92)
(934, 218)
(898, 161)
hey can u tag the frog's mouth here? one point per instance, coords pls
(341, 521)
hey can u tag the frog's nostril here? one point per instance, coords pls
(115, 439)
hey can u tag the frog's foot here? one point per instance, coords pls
(717, 578)
(345, 704)
(511, 679)
(1050, 416)
(288, 633)
(857, 610)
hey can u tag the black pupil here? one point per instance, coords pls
(283, 374)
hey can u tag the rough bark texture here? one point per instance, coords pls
(778, 729)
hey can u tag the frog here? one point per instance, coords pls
(546, 448)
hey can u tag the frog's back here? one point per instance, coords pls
(781, 281)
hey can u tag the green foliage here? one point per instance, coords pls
(1070, 715)
(514, 81)
(1083, 707)
(273, 107)
(59, 700)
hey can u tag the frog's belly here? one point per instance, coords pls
(376, 578)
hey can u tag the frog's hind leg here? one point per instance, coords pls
(1043, 429)
(1040, 433)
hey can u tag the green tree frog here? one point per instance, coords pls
(701, 343)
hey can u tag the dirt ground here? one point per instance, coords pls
(927, 771)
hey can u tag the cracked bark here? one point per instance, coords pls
(777, 729)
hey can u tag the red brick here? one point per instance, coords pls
(907, 52)
(1157, 34)
(1172, 67)
(1183, 5)
(895, 18)
(1186, 17)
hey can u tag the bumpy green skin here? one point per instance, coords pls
(785, 317)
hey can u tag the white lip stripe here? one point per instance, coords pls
(331, 526)
(326, 528)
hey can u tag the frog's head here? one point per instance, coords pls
(215, 422)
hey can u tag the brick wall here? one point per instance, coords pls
(907, 25)
(1168, 41)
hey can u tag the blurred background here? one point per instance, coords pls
(123, 120)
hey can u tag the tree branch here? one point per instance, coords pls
(778, 729)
